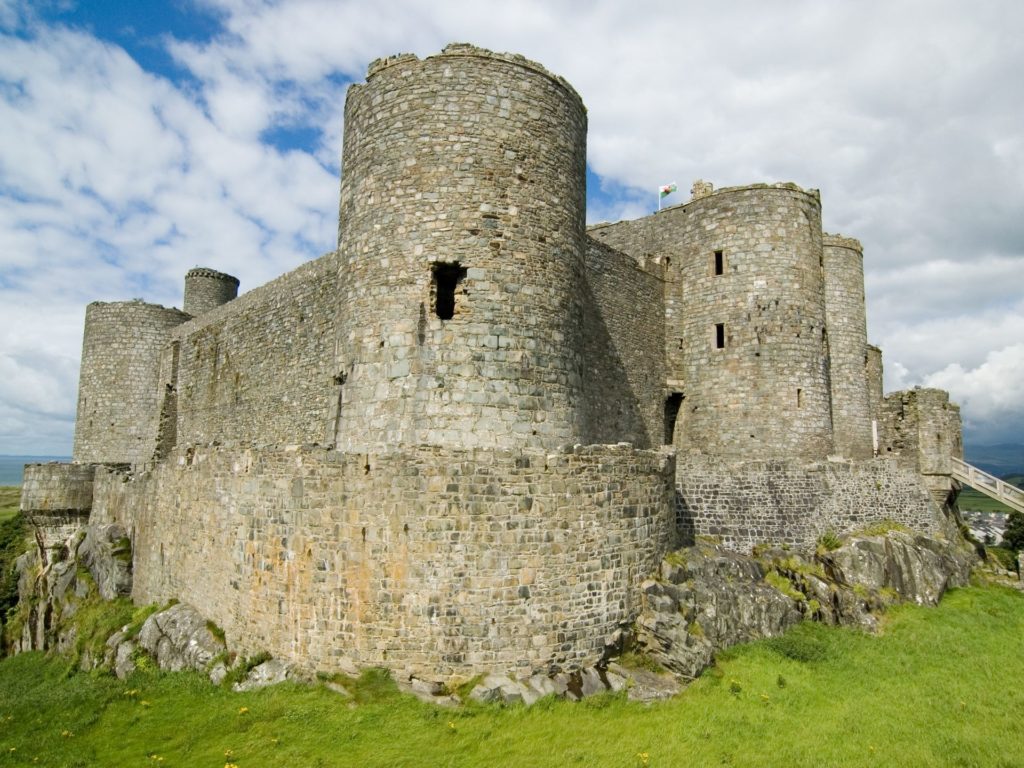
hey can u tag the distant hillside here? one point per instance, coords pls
(999, 460)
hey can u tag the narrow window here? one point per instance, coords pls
(719, 263)
(799, 398)
(720, 335)
(672, 406)
(446, 279)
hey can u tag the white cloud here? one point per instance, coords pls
(905, 115)
(990, 394)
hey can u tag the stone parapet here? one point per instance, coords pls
(57, 499)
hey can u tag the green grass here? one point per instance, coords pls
(940, 687)
(13, 542)
(10, 495)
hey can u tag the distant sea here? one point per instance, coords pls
(12, 466)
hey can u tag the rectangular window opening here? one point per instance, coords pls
(447, 277)
(799, 398)
(719, 335)
(672, 405)
(719, 263)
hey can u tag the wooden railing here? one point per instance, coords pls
(991, 486)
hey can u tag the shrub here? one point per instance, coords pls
(1004, 557)
(13, 543)
(1013, 536)
(829, 541)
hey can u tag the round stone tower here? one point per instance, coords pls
(118, 388)
(848, 340)
(751, 323)
(460, 242)
(207, 289)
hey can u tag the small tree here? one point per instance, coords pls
(1013, 536)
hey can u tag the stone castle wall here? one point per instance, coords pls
(258, 370)
(430, 376)
(746, 335)
(461, 245)
(57, 499)
(745, 504)
(118, 394)
(429, 560)
(921, 428)
(847, 346)
(624, 335)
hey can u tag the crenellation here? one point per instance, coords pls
(461, 441)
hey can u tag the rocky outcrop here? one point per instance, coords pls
(707, 599)
(94, 562)
(106, 551)
(180, 638)
(919, 569)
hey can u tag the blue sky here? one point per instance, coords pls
(140, 139)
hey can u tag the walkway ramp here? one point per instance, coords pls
(991, 486)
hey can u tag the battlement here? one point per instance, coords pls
(466, 49)
(841, 241)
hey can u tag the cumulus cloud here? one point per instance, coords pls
(990, 394)
(115, 180)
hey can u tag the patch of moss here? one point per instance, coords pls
(779, 582)
(239, 672)
(881, 528)
(216, 631)
(634, 660)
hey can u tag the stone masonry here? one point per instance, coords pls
(462, 440)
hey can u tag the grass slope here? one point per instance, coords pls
(9, 497)
(940, 687)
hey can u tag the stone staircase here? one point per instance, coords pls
(991, 486)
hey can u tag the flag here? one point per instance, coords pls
(667, 190)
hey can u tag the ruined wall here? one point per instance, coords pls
(922, 430)
(207, 289)
(259, 369)
(846, 323)
(118, 392)
(429, 560)
(779, 502)
(57, 499)
(624, 337)
(461, 229)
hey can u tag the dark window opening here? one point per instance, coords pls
(719, 263)
(799, 398)
(720, 335)
(446, 279)
(672, 405)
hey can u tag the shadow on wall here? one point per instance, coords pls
(611, 407)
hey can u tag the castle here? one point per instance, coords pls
(461, 441)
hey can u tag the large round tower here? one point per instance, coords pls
(460, 241)
(118, 388)
(751, 323)
(848, 340)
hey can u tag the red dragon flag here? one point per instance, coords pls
(665, 191)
